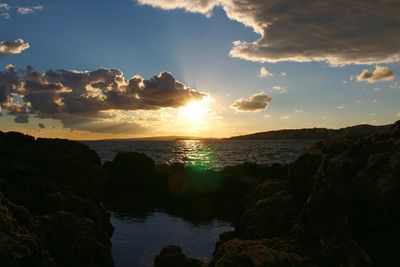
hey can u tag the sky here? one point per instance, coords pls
(98, 69)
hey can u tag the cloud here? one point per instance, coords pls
(279, 90)
(335, 31)
(254, 103)
(6, 10)
(12, 47)
(285, 117)
(21, 118)
(379, 74)
(41, 125)
(28, 10)
(340, 107)
(264, 72)
(5, 15)
(297, 111)
(80, 98)
(4, 6)
(395, 86)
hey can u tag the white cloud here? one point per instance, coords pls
(298, 111)
(12, 47)
(285, 117)
(395, 85)
(28, 10)
(4, 6)
(379, 74)
(5, 15)
(340, 107)
(279, 89)
(264, 72)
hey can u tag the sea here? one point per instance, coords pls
(137, 240)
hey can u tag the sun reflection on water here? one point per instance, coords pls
(197, 155)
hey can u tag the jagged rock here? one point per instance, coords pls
(172, 256)
(53, 189)
(254, 253)
(338, 206)
(18, 245)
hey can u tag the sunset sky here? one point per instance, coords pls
(98, 69)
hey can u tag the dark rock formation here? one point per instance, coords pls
(51, 214)
(172, 256)
(192, 193)
(338, 206)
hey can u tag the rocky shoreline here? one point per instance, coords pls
(337, 205)
(50, 202)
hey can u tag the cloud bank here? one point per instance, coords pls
(254, 103)
(338, 32)
(379, 74)
(86, 99)
(12, 47)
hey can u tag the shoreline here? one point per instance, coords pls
(341, 190)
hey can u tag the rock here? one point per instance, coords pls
(53, 215)
(172, 256)
(254, 253)
(18, 245)
(338, 205)
(132, 172)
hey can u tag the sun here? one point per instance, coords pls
(194, 111)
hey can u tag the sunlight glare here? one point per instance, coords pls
(194, 111)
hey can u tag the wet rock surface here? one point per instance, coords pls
(51, 214)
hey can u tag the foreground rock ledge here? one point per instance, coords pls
(50, 209)
(338, 205)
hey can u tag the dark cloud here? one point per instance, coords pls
(379, 74)
(335, 31)
(256, 102)
(21, 118)
(12, 47)
(41, 125)
(83, 96)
